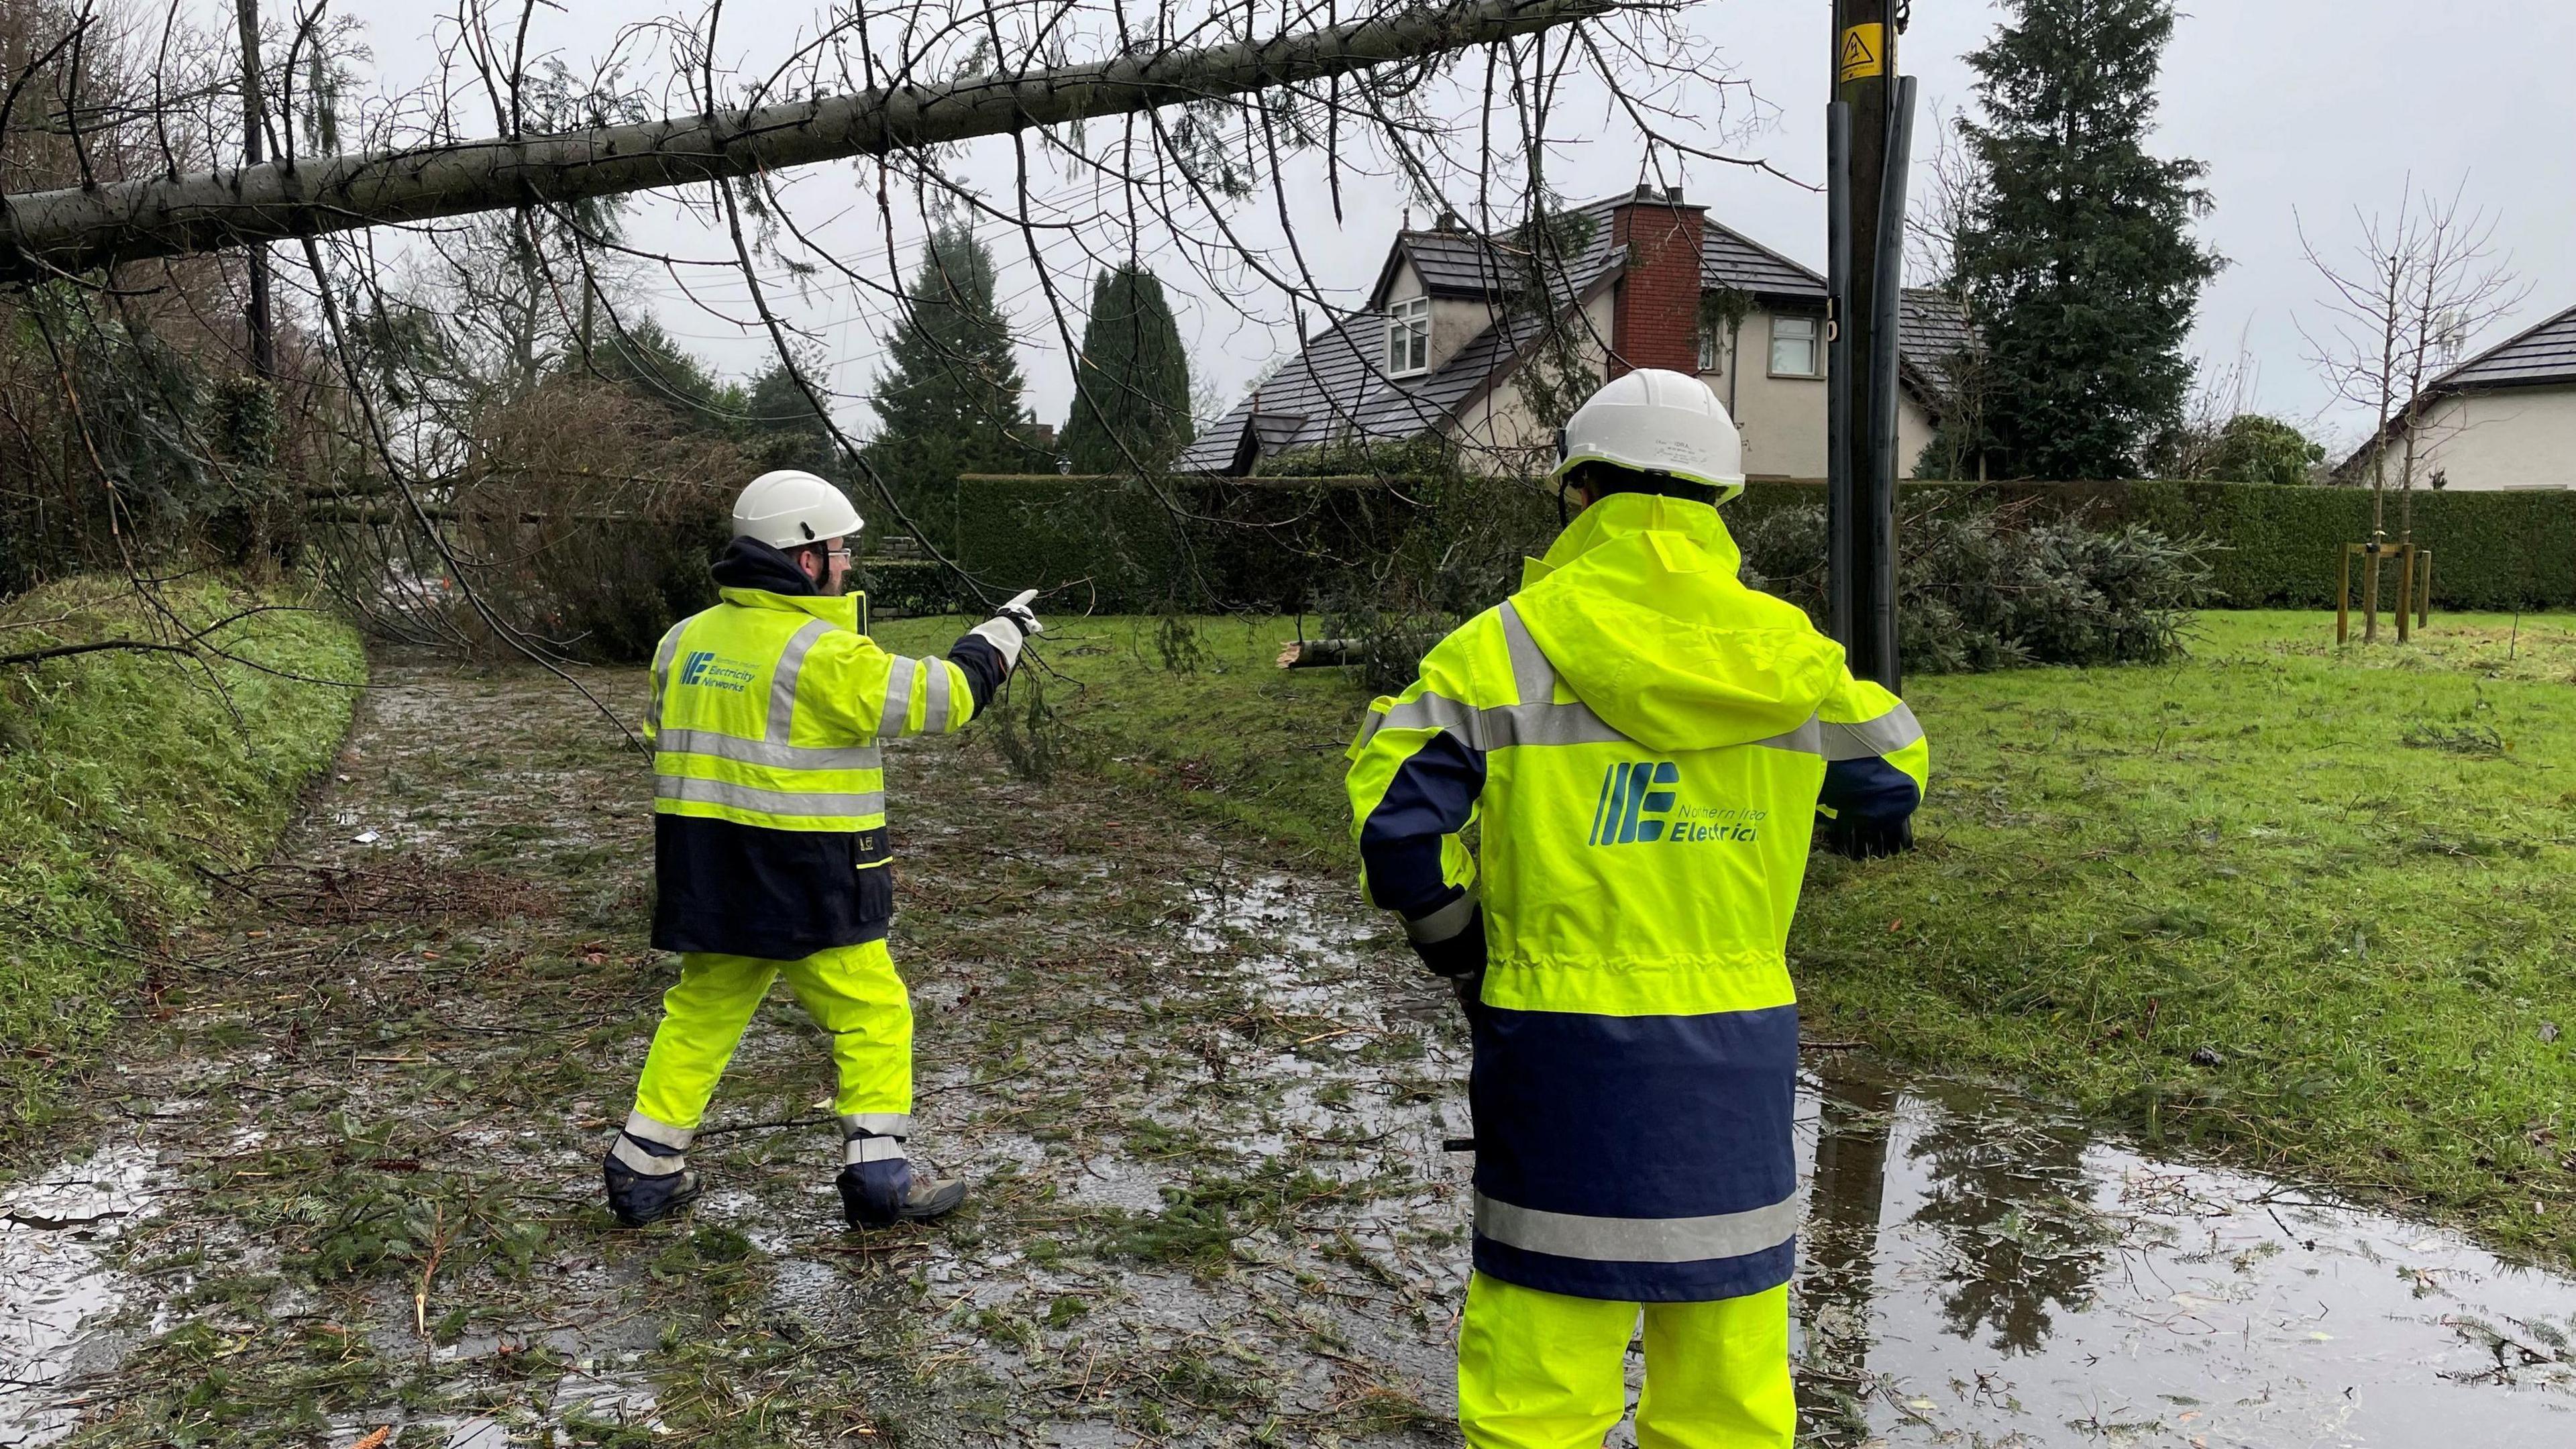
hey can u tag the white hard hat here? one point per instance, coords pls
(1656, 421)
(791, 508)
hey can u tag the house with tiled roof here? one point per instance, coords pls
(2505, 418)
(1461, 330)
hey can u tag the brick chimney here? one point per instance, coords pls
(1654, 306)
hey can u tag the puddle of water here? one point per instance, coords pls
(55, 1234)
(1979, 1270)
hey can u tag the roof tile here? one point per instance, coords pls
(2541, 354)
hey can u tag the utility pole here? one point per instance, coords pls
(1869, 133)
(263, 343)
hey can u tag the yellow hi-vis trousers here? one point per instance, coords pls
(850, 991)
(1544, 1371)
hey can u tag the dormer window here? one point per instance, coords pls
(1408, 337)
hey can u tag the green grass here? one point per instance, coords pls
(2347, 874)
(127, 780)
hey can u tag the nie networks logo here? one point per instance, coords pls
(705, 667)
(1640, 804)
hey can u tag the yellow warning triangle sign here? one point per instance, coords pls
(1862, 52)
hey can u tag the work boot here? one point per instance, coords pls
(882, 1193)
(638, 1199)
(648, 1172)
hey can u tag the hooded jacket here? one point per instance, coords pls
(769, 791)
(1647, 744)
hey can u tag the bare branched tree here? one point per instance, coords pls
(475, 316)
(2418, 286)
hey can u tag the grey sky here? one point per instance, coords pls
(2297, 105)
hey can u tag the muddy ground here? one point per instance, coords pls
(344, 1176)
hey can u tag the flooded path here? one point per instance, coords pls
(346, 1178)
(1979, 1270)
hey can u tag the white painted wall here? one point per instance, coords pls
(1783, 418)
(2522, 437)
(1496, 431)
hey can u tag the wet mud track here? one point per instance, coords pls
(345, 1178)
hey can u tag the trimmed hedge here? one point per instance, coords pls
(2275, 546)
(1119, 547)
(2278, 547)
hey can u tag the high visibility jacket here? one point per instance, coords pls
(1648, 744)
(768, 788)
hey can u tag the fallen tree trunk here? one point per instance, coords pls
(75, 229)
(1321, 653)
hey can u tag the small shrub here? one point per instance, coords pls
(1985, 588)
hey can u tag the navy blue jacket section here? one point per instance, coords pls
(1636, 1116)
(1431, 796)
(778, 894)
(983, 665)
(1699, 1282)
(1870, 788)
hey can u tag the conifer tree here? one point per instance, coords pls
(1131, 402)
(2077, 257)
(950, 401)
(782, 428)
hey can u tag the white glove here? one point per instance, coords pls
(1017, 610)
(1010, 627)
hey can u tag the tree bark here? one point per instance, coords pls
(73, 230)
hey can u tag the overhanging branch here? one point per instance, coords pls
(49, 233)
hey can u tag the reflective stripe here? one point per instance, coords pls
(644, 1160)
(884, 1124)
(688, 790)
(871, 1149)
(934, 719)
(1806, 739)
(1884, 735)
(1533, 677)
(762, 752)
(661, 678)
(659, 1133)
(1543, 724)
(782, 680)
(1505, 725)
(898, 705)
(1639, 1240)
(1445, 922)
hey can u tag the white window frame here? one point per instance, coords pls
(1408, 337)
(1712, 351)
(1814, 338)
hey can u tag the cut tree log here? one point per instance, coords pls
(1321, 653)
(76, 229)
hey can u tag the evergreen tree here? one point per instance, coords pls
(1131, 402)
(650, 363)
(782, 428)
(950, 401)
(2077, 256)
